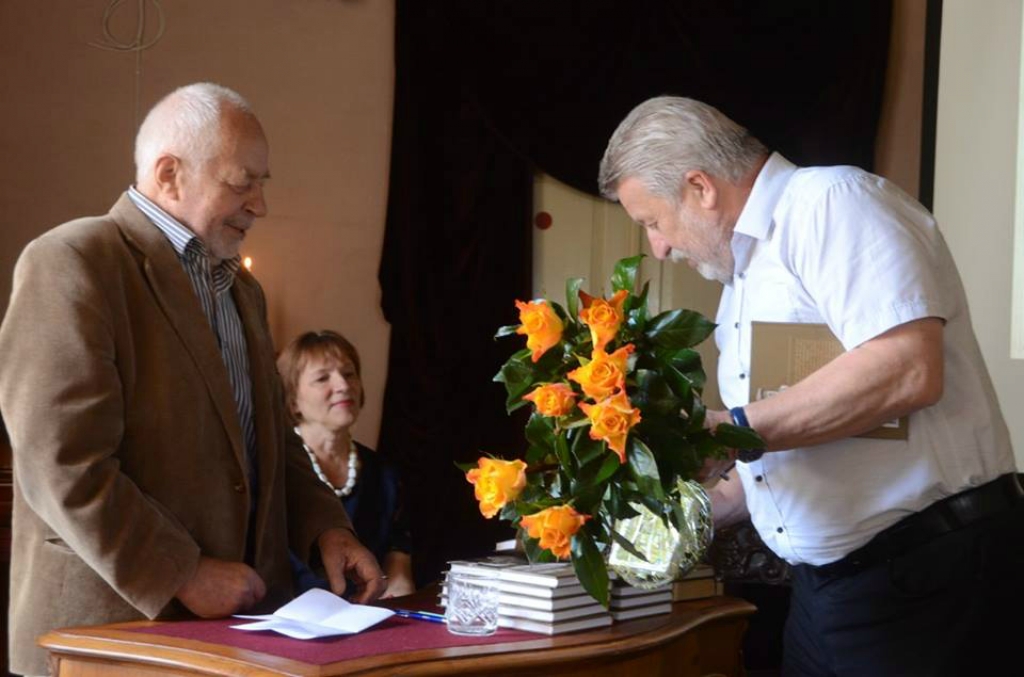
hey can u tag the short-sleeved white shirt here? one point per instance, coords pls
(840, 246)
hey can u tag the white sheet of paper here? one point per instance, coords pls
(317, 613)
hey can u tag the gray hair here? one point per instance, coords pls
(185, 123)
(665, 137)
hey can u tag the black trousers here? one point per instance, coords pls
(947, 607)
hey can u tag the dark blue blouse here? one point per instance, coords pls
(374, 506)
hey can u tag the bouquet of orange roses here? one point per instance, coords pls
(617, 422)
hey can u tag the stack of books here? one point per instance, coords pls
(544, 598)
(697, 584)
(627, 601)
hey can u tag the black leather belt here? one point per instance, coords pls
(939, 518)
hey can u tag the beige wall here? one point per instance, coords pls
(320, 75)
(975, 176)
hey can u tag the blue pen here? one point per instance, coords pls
(420, 615)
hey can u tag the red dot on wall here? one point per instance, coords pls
(543, 220)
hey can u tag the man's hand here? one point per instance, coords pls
(219, 588)
(342, 554)
(398, 568)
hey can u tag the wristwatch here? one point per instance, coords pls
(739, 418)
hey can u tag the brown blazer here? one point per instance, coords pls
(128, 451)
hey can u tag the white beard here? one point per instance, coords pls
(715, 271)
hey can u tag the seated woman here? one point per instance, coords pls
(321, 375)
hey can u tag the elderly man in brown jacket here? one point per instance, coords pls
(155, 475)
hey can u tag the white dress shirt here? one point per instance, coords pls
(842, 247)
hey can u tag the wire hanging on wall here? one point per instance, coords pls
(137, 44)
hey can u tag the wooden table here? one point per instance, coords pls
(699, 638)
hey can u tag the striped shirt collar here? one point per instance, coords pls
(186, 243)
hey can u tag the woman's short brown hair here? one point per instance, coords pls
(313, 344)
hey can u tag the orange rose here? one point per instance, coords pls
(497, 482)
(611, 421)
(555, 399)
(542, 326)
(604, 374)
(555, 527)
(603, 317)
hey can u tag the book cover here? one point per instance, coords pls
(626, 590)
(515, 569)
(557, 628)
(551, 575)
(642, 611)
(784, 353)
(550, 616)
(541, 603)
(697, 588)
(540, 590)
(701, 570)
(491, 563)
(664, 596)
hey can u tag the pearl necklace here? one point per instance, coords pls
(350, 481)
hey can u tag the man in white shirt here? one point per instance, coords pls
(901, 549)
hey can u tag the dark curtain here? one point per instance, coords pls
(489, 91)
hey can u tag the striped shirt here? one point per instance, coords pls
(212, 287)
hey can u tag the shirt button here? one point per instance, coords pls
(779, 530)
(743, 376)
(240, 488)
(736, 326)
(742, 276)
(759, 478)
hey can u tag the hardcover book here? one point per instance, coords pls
(641, 611)
(572, 625)
(630, 601)
(696, 588)
(550, 616)
(515, 569)
(541, 603)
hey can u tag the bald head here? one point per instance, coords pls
(187, 124)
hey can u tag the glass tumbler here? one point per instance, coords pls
(472, 607)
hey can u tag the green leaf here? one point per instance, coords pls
(589, 566)
(697, 414)
(507, 330)
(519, 376)
(534, 553)
(675, 450)
(466, 467)
(629, 547)
(608, 468)
(656, 506)
(679, 329)
(564, 457)
(678, 514)
(540, 432)
(535, 454)
(653, 395)
(586, 498)
(644, 468)
(585, 449)
(736, 437)
(686, 360)
(616, 503)
(624, 274)
(572, 296)
(509, 512)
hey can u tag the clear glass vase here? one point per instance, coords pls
(670, 553)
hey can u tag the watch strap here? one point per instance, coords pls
(739, 418)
